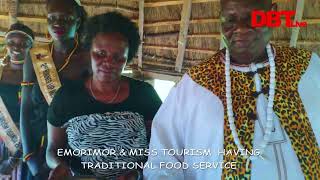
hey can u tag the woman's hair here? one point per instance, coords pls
(21, 27)
(79, 10)
(112, 22)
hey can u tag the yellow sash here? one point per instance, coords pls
(2, 65)
(1, 71)
(45, 71)
(9, 133)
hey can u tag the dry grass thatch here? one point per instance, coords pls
(161, 27)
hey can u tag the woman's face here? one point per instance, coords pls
(109, 54)
(18, 45)
(62, 20)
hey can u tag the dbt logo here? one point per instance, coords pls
(273, 19)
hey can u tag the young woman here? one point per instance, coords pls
(19, 40)
(105, 111)
(68, 62)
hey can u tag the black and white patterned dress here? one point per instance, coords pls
(94, 126)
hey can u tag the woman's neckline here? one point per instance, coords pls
(111, 104)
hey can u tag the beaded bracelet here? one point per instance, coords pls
(27, 84)
(27, 157)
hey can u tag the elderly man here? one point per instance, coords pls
(254, 106)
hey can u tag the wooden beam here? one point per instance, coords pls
(40, 19)
(177, 22)
(156, 75)
(33, 19)
(153, 57)
(150, 46)
(298, 17)
(141, 21)
(90, 4)
(156, 63)
(184, 27)
(173, 48)
(205, 35)
(26, 18)
(207, 20)
(312, 21)
(116, 7)
(306, 43)
(36, 19)
(194, 35)
(212, 51)
(172, 3)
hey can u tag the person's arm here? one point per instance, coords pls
(57, 139)
(34, 163)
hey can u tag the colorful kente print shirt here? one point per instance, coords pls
(194, 117)
(95, 126)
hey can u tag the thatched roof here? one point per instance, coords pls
(176, 33)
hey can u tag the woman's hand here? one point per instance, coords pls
(60, 172)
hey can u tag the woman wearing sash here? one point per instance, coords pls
(106, 110)
(19, 40)
(50, 66)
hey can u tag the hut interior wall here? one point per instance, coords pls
(162, 26)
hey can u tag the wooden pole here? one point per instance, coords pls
(298, 17)
(141, 22)
(184, 26)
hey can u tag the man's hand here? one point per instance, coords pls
(61, 172)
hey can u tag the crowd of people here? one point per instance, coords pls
(70, 94)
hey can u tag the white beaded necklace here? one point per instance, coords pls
(269, 114)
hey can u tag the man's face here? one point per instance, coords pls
(240, 37)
